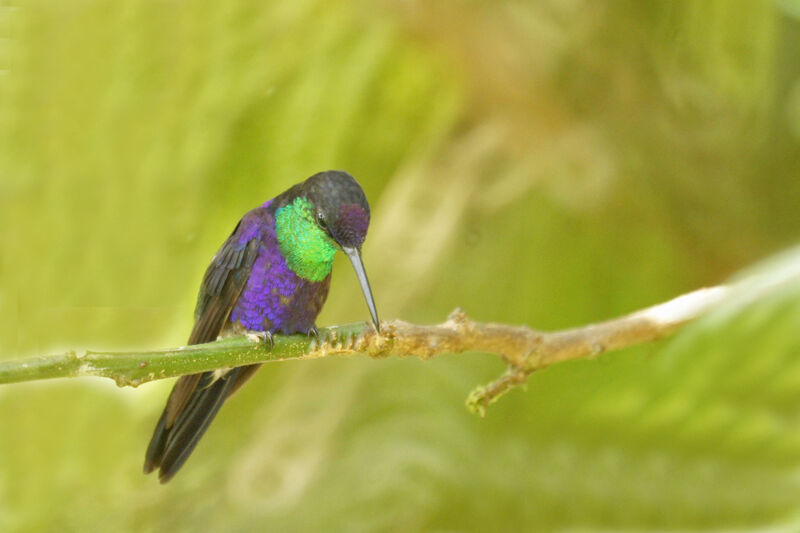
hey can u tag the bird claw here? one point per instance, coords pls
(261, 337)
(319, 338)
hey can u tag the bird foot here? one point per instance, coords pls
(261, 337)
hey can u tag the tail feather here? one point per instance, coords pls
(155, 450)
(171, 446)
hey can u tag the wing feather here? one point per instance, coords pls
(222, 284)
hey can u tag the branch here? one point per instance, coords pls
(524, 350)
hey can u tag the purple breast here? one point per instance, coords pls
(276, 299)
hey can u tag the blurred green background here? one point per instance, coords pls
(545, 162)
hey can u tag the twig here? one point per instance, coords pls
(524, 350)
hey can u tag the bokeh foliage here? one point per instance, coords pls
(550, 163)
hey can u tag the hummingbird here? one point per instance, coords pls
(270, 276)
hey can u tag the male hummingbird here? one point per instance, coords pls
(270, 276)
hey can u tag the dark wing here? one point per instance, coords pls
(222, 284)
(196, 398)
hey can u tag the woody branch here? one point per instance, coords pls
(523, 349)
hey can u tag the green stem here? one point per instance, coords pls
(135, 368)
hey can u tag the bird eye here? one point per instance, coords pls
(321, 220)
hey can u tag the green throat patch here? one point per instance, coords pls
(307, 249)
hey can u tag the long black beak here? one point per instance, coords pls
(354, 254)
